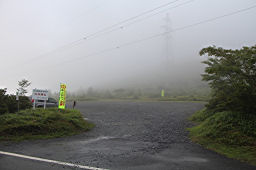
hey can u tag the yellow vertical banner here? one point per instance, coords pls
(62, 100)
(162, 93)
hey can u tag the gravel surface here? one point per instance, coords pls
(128, 135)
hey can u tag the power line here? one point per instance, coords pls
(216, 18)
(104, 30)
(63, 47)
(160, 34)
(75, 42)
(154, 36)
(130, 43)
(129, 19)
(139, 20)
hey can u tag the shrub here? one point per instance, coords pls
(230, 128)
(40, 123)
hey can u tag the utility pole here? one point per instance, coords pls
(168, 60)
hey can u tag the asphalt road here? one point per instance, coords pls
(128, 135)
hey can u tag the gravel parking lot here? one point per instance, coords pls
(128, 135)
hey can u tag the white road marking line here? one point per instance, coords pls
(50, 161)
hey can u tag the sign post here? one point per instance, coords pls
(38, 94)
(34, 104)
(62, 100)
(44, 104)
(17, 98)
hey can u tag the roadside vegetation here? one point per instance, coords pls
(36, 124)
(227, 124)
(41, 124)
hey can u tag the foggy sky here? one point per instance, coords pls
(32, 32)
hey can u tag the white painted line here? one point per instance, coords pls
(50, 161)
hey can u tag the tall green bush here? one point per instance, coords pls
(231, 75)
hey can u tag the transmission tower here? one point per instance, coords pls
(168, 61)
(168, 46)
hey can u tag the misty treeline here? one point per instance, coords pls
(185, 90)
(231, 75)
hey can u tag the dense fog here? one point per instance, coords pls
(109, 45)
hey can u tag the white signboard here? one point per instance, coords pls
(38, 94)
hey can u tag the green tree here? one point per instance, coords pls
(231, 75)
(23, 84)
(3, 99)
(8, 103)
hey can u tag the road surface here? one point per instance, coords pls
(128, 135)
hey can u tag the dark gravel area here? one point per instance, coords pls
(128, 135)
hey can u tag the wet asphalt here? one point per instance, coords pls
(128, 135)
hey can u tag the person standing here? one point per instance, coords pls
(74, 104)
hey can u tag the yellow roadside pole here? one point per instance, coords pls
(162, 93)
(62, 100)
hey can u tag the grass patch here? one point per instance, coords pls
(42, 124)
(228, 133)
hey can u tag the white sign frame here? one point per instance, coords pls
(39, 94)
